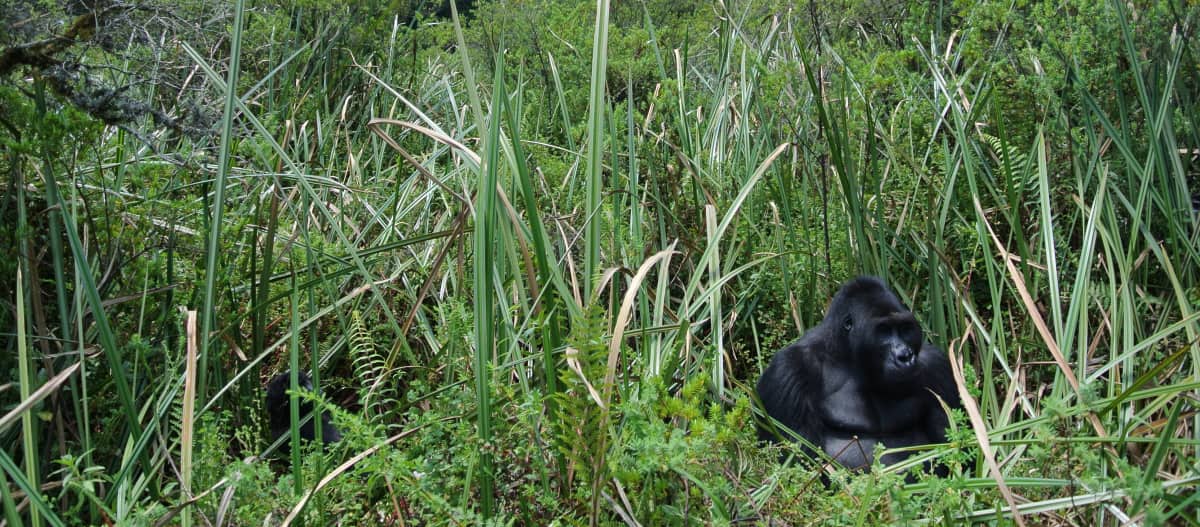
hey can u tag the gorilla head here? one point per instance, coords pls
(880, 334)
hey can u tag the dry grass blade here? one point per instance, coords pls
(1035, 315)
(341, 469)
(41, 393)
(605, 279)
(460, 222)
(623, 316)
(187, 425)
(375, 123)
(413, 161)
(573, 363)
(980, 429)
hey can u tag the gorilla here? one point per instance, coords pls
(279, 412)
(863, 377)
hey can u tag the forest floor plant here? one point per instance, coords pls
(535, 258)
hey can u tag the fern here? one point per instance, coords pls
(375, 389)
(1013, 163)
(579, 429)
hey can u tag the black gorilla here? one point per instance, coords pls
(863, 376)
(280, 414)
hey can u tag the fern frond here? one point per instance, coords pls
(375, 389)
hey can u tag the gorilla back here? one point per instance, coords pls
(864, 376)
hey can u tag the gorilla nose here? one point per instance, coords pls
(905, 355)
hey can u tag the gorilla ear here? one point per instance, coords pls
(847, 323)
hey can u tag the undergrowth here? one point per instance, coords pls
(536, 255)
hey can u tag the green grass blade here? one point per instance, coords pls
(595, 150)
(32, 492)
(486, 264)
(547, 264)
(1050, 254)
(29, 444)
(213, 251)
(104, 331)
(293, 389)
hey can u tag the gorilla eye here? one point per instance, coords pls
(847, 324)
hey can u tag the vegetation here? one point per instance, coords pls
(536, 254)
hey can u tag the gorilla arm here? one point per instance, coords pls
(790, 390)
(939, 380)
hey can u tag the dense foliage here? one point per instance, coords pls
(537, 252)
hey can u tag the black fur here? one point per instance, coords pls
(280, 415)
(865, 375)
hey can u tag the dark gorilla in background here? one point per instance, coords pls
(863, 376)
(280, 414)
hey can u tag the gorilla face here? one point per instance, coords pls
(895, 341)
(884, 338)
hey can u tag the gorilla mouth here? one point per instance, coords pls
(904, 357)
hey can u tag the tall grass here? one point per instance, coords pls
(573, 313)
(217, 218)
